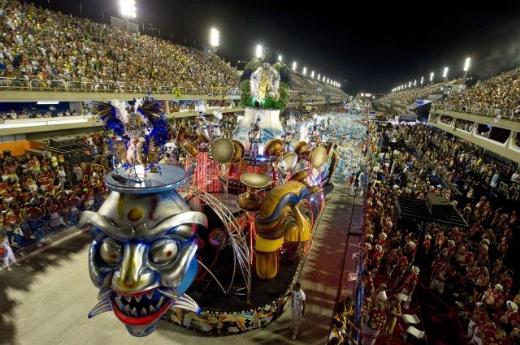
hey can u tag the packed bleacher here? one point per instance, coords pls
(443, 283)
(310, 86)
(405, 97)
(42, 192)
(48, 47)
(25, 114)
(496, 96)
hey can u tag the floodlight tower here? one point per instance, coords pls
(467, 66)
(445, 73)
(214, 39)
(432, 75)
(259, 51)
(128, 10)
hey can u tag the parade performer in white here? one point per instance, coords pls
(297, 308)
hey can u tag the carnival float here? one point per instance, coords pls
(215, 242)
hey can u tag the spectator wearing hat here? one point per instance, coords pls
(510, 319)
(409, 284)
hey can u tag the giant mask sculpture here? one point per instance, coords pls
(142, 255)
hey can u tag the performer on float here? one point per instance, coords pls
(254, 136)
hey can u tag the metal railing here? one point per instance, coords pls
(513, 114)
(110, 87)
(36, 229)
(19, 84)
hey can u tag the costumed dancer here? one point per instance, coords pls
(409, 285)
(373, 324)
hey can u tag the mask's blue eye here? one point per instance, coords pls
(163, 251)
(111, 251)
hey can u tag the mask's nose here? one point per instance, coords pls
(132, 276)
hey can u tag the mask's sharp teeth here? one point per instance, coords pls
(119, 303)
(150, 296)
(127, 299)
(138, 299)
(143, 311)
(152, 309)
(127, 310)
(159, 304)
(134, 312)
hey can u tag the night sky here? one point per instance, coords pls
(368, 47)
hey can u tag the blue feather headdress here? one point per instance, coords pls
(141, 125)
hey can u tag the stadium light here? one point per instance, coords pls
(259, 51)
(319, 76)
(339, 85)
(214, 37)
(128, 9)
(294, 65)
(312, 74)
(431, 76)
(280, 58)
(415, 83)
(409, 84)
(467, 64)
(445, 72)
(422, 80)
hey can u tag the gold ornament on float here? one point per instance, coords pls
(250, 200)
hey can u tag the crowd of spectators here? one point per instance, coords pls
(467, 268)
(497, 96)
(405, 97)
(43, 192)
(447, 120)
(25, 114)
(46, 46)
(465, 125)
(309, 86)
